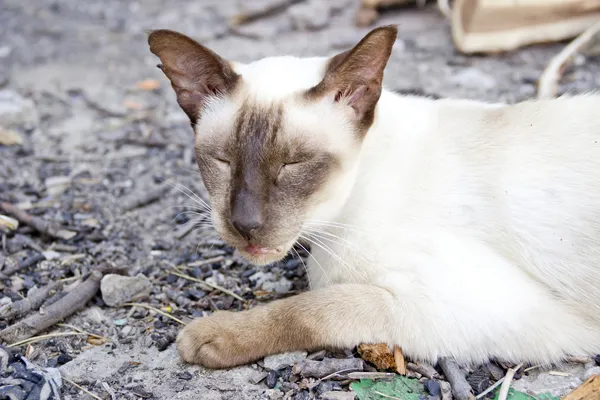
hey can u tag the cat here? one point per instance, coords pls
(451, 228)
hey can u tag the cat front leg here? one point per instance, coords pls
(338, 316)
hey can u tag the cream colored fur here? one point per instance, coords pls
(457, 228)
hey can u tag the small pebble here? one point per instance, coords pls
(63, 359)
(185, 375)
(433, 387)
(272, 379)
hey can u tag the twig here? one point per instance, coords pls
(510, 374)
(161, 312)
(371, 375)
(272, 8)
(212, 285)
(40, 225)
(460, 387)
(424, 369)
(200, 263)
(488, 390)
(32, 302)
(318, 369)
(26, 263)
(387, 396)
(444, 7)
(44, 337)
(77, 329)
(82, 389)
(548, 83)
(66, 306)
(145, 198)
(399, 358)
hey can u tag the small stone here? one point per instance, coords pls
(597, 359)
(479, 379)
(473, 78)
(17, 111)
(283, 285)
(280, 361)
(120, 322)
(257, 376)
(312, 15)
(446, 389)
(185, 375)
(117, 289)
(63, 359)
(433, 387)
(590, 372)
(332, 395)
(272, 379)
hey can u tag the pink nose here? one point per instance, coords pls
(260, 250)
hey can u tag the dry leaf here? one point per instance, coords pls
(148, 84)
(379, 355)
(96, 341)
(132, 105)
(9, 137)
(8, 222)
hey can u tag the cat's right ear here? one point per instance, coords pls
(196, 73)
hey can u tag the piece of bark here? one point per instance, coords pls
(379, 355)
(141, 200)
(490, 26)
(40, 225)
(399, 359)
(32, 302)
(28, 262)
(55, 313)
(588, 390)
(460, 387)
(424, 369)
(319, 369)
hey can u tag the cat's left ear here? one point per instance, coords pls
(355, 77)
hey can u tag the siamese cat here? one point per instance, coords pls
(451, 228)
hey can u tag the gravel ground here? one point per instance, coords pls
(98, 131)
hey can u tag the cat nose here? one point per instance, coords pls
(247, 225)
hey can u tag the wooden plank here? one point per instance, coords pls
(589, 390)
(501, 25)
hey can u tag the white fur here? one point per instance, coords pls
(482, 220)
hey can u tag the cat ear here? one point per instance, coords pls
(355, 76)
(195, 72)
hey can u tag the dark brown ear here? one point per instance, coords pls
(356, 76)
(195, 71)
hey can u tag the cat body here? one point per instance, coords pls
(451, 228)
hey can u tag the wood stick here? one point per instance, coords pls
(28, 262)
(424, 369)
(40, 225)
(319, 369)
(145, 198)
(54, 313)
(32, 302)
(548, 83)
(460, 387)
(399, 358)
(510, 374)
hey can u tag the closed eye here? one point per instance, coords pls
(287, 166)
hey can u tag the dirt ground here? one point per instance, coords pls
(96, 136)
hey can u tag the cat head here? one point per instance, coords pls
(276, 140)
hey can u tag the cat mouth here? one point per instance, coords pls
(257, 250)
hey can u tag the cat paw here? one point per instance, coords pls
(214, 342)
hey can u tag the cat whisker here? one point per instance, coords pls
(316, 261)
